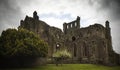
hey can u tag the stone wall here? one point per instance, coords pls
(87, 45)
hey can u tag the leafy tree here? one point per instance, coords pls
(23, 43)
(61, 55)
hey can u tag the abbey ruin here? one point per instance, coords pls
(92, 44)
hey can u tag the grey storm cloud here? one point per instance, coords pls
(113, 7)
(9, 14)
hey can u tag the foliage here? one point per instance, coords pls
(61, 55)
(21, 42)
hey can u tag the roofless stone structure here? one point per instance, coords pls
(92, 44)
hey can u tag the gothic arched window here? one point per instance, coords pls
(85, 49)
(75, 50)
(73, 38)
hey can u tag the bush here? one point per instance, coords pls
(21, 42)
(61, 55)
(20, 45)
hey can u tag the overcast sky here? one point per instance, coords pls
(56, 12)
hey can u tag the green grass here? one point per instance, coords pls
(72, 67)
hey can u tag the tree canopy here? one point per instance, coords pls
(22, 42)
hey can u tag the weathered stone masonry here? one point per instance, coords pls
(92, 44)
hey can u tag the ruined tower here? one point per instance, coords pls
(35, 16)
(71, 25)
(111, 54)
